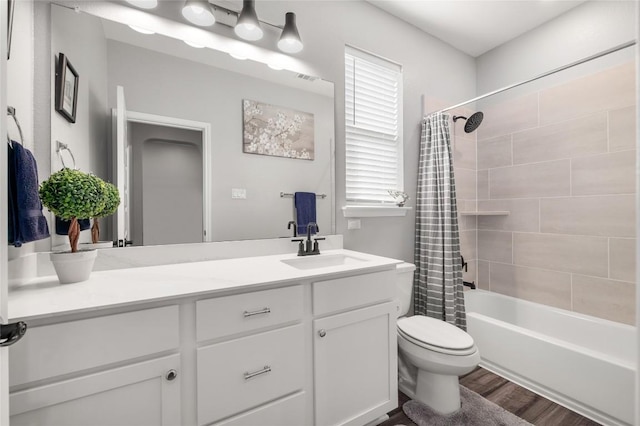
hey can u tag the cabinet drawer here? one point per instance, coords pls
(289, 411)
(225, 316)
(350, 292)
(68, 347)
(240, 374)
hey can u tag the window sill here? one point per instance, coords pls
(374, 211)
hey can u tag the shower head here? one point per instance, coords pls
(472, 123)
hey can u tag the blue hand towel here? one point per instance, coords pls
(305, 203)
(26, 221)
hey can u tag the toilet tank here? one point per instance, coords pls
(404, 286)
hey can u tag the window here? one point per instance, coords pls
(373, 127)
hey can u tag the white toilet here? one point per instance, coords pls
(432, 352)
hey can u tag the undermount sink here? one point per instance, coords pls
(322, 261)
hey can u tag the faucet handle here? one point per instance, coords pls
(300, 242)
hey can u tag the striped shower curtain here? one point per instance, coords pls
(437, 288)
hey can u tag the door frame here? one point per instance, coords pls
(205, 130)
(4, 251)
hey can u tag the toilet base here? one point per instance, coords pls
(438, 391)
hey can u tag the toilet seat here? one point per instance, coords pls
(436, 335)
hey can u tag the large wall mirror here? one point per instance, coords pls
(177, 114)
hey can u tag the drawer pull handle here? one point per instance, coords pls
(171, 375)
(322, 332)
(265, 370)
(258, 312)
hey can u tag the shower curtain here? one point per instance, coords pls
(438, 290)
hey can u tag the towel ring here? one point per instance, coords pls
(12, 112)
(64, 147)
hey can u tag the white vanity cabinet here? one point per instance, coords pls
(257, 355)
(300, 348)
(109, 370)
(355, 354)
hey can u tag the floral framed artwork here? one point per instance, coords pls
(277, 131)
(66, 88)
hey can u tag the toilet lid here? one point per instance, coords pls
(434, 333)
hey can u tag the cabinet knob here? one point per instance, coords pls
(322, 332)
(171, 375)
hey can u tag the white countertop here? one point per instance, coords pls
(45, 297)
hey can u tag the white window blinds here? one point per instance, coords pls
(373, 126)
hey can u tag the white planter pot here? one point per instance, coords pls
(73, 267)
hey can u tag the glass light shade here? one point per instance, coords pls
(238, 56)
(141, 30)
(248, 25)
(144, 4)
(192, 44)
(290, 41)
(275, 66)
(198, 12)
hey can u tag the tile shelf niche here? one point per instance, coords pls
(486, 213)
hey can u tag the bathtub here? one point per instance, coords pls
(584, 363)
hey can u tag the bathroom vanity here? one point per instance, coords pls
(279, 339)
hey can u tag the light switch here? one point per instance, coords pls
(238, 193)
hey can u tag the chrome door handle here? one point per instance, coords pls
(322, 332)
(11, 333)
(265, 370)
(258, 312)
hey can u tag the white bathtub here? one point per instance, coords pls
(584, 363)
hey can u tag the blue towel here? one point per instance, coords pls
(305, 203)
(26, 221)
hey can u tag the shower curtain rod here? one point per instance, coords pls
(562, 68)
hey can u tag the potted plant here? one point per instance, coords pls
(72, 195)
(112, 201)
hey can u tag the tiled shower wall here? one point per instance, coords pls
(562, 162)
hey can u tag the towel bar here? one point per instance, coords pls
(290, 195)
(64, 147)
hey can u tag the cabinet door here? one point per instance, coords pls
(355, 366)
(137, 394)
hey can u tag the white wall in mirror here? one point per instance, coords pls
(185, 85)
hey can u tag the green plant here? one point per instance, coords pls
(111, 203)
(72, 195)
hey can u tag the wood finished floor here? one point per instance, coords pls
(523, 403)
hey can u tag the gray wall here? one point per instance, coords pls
(430, 67)
(160, 84)
(590, 28)
(166, 164)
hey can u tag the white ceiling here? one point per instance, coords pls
(476, 26)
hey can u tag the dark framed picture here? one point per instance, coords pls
(11, 6)
(66, 88)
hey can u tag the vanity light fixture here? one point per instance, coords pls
(192, 44)
(144, 4)
(290, 41)
(141, 30)
(198, 12)
(248, 26)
